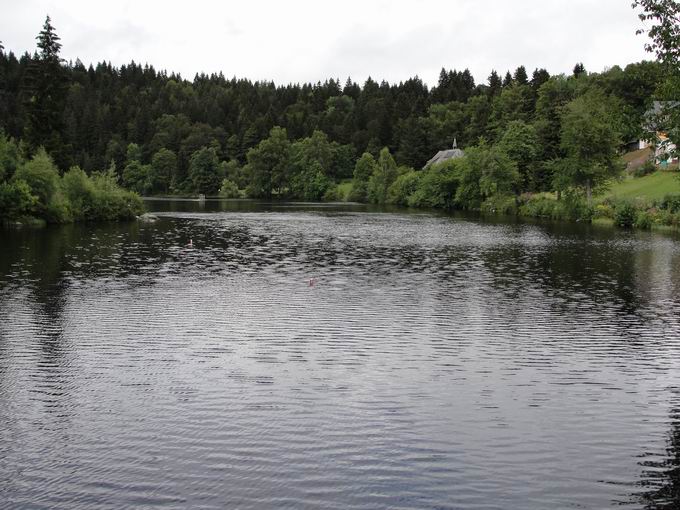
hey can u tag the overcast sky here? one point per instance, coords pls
(300, 40)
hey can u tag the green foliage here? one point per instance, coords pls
(98, 197)
(137, 177)
(403, 187)
(73, 197)
(315, 149)
(664, 35)
(488, 171)
(590, 142)
(516, 102)
(546, 134)
(229, 189)
(438, 185)
(625, 215)
(311, 162)
(16, 199)
(665, 31)
(671, 202)
(521, 144)
(133, 153)
(163, 170)
(344, 157)
(500, 204)
(646, 168)
(311, 183)
(571, 207)
(111, 202)
(643, 220)
(414, 148)
(233, 172)
(604, 210)
(45, 95)
(365, 166)
(269, 164)
(332, 194)
(57, 210)
(384, 174)
(204, 171)
(10, 157)
(42, 177)
(79, 190)
(498, 173)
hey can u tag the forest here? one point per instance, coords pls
(66, 127)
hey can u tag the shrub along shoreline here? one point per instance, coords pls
(32, 193)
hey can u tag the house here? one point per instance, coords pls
(657, 121)
(445, 155)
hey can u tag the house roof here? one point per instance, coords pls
(442, 156)
(654, 117)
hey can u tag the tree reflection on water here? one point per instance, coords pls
(661, 473)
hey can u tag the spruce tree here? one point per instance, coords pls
(579, 69)
(539, 77)
(521, 75)
(495, 83)
(44, 92)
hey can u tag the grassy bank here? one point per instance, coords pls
(648, 188)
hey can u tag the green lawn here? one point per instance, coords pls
(649, 187)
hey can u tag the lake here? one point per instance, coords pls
(337, 356)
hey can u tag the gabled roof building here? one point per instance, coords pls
(445, 155)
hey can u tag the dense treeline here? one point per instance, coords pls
(159, 133)
(36, 190)
(32, 187)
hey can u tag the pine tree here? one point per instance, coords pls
(539, 77)
(507, 81)
(45, 93)
(521, 75)
(579, 69)
(495, 83)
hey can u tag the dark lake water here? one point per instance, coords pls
(435, 362)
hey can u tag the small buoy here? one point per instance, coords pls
(191, 243)
(312, 281)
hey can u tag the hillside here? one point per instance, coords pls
(650, 187)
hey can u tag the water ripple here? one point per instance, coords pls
(307, 358)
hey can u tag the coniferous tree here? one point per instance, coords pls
(579, 69)
(495, 83)
(539, 77)
(520, 76)
(45, 94)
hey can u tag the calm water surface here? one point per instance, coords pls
(437, 362)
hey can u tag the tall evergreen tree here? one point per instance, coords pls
(521, 75)
(539, 77)
(495, 83)
(45, 94)
(579, 69)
